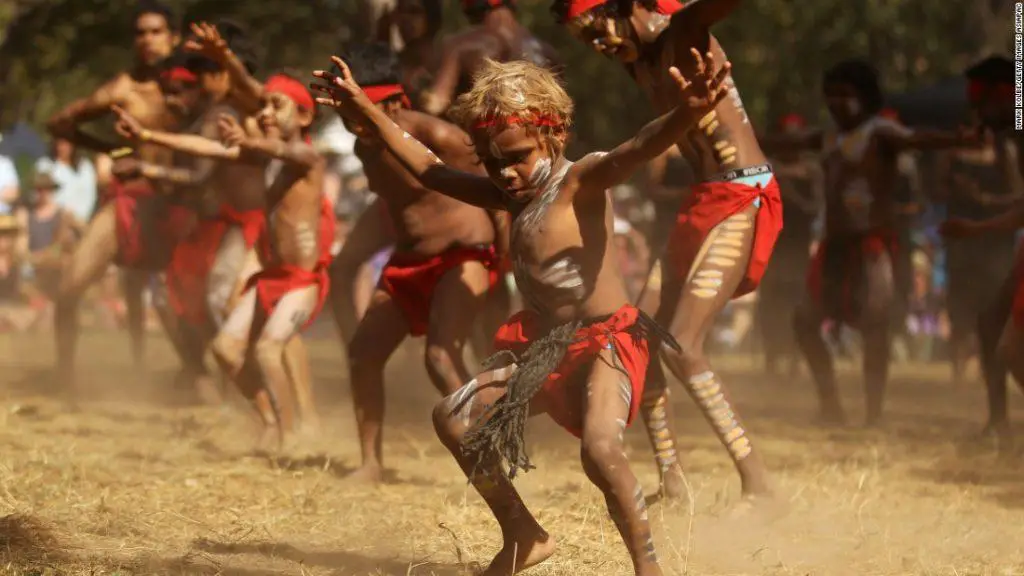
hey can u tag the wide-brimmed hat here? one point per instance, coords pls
(43, 181)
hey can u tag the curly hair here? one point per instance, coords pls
(862, 77)
(611, 8)
(505, 90)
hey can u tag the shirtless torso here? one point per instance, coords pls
(105, 240)
(724, 231)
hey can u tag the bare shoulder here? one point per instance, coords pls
(117, 89)
(434, 132)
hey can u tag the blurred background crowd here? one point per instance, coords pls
(55, 50)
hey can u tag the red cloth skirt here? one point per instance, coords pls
(148, 226)
(410, 280)
(278, 279)
(708, 206)
(565, 386)
(187, 275)
(836, 278)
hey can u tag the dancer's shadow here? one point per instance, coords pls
(338, 470)
(336, 560)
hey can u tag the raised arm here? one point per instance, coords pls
(191, 144)
(899, 138)
(598, 172)
(256, 147)
(810, 140)
(705, 13)
(475, 43)
(248, 91)
(65, 124)
(454, 149)
(348, 98)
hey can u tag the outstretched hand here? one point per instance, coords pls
(231, 132)
(705, 88)
(126, 125)
(207, 41)
(342, 92)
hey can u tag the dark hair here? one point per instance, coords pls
(611, 8)
(372, 64)
(862, 77)
(156, 7)
(237, 38)
(432, 10)
(994, 69)
(475, 10)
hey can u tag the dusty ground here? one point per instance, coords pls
(136, 484)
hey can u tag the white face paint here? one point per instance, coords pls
(657, 22)
(541, 172)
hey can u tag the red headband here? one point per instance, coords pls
(792, 121)
(978, 91)
(378, 94)
(179, 73)
(669, 7)
(890, 114)
(535, 120)
(579, 7)
(291, 88)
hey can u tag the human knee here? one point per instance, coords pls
(364, 356)
(438, 360)
(269, 353)
(229, 351)
(446, 422)
(690, 353)
(601, 450)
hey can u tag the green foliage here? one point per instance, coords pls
(57, 50)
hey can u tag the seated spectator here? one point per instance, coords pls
(9, 186)
(47, 236)
(75, 177)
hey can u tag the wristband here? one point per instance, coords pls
(145, 135)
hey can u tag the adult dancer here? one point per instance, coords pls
(724, 231)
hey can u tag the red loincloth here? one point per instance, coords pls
(187, 275)
(561, 391)
(708, 206)
(148, 226)
(410, 280)
(276, 280)
(835, 277)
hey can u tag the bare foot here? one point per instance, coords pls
(527, 552)
(268, 440)
(673, 484)
(366, 474)
(766, 508)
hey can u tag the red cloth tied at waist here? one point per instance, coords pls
(188, 273)
(710, 204)
(564, 389)
(147, 225)
(252, 222)
(836, 275)
(410, 280)
(277, 278)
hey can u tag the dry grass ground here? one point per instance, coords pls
(136, 484)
